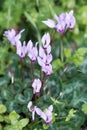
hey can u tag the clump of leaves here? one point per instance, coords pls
(11, 121)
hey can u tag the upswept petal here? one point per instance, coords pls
(29, 106)
(18, 48)
(46, 40)
(41, 52)
(41, 113)
(49, 58)
(29, 45)
(48, 49)
(50, 23)
(50, 108)
(56, 17)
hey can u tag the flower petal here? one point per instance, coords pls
(40, 113)
(50, 23)
(29, 105)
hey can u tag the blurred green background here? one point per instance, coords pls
(29, 15)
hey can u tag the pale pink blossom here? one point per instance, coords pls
(12, 36)
(36, 86)
(44, 61)
(47, 69)
(47, 115)
(45, 40)
(62, 22)
(32, 109)
(32, 51)
(21, 50)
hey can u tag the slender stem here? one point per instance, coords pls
(35, 123)
(43, 83)
(59, 118)
(66, 68)
(41, 78)
(41, 75)
(41, 93)
(61, 50)
(32, 70)
(21, 70)
(52, 36)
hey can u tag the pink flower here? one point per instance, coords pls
(44, 61)
(47, 69)
(42, 56)
(36, 86)
(12, 36)
(21, 49)
(32, 51)
(63, 22)
(46, 42)
(32, 109)
(47, 115)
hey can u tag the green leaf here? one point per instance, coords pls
(13, 105)
(70, 115)
(6, 119)
(55, 101)
(3, 81)
(5, 93)
(23, 122)
(67, 52)
(45, 127)
(20, 98)
(78, 56)
(13, 116)
(28, 94)
(66, 126)
(84, 108)
(56, 64)
(12, 127)
(1, 118)
(2, 108)
(53, 117)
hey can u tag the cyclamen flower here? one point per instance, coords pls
(32, 109)
(44, 61)
(47, 69)
(36, 86)
(21, 49)
(32, 51)
(46, 42)
(47, 115)
(12, 36)
(63, 22)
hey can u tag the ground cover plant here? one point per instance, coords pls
(43, 66)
